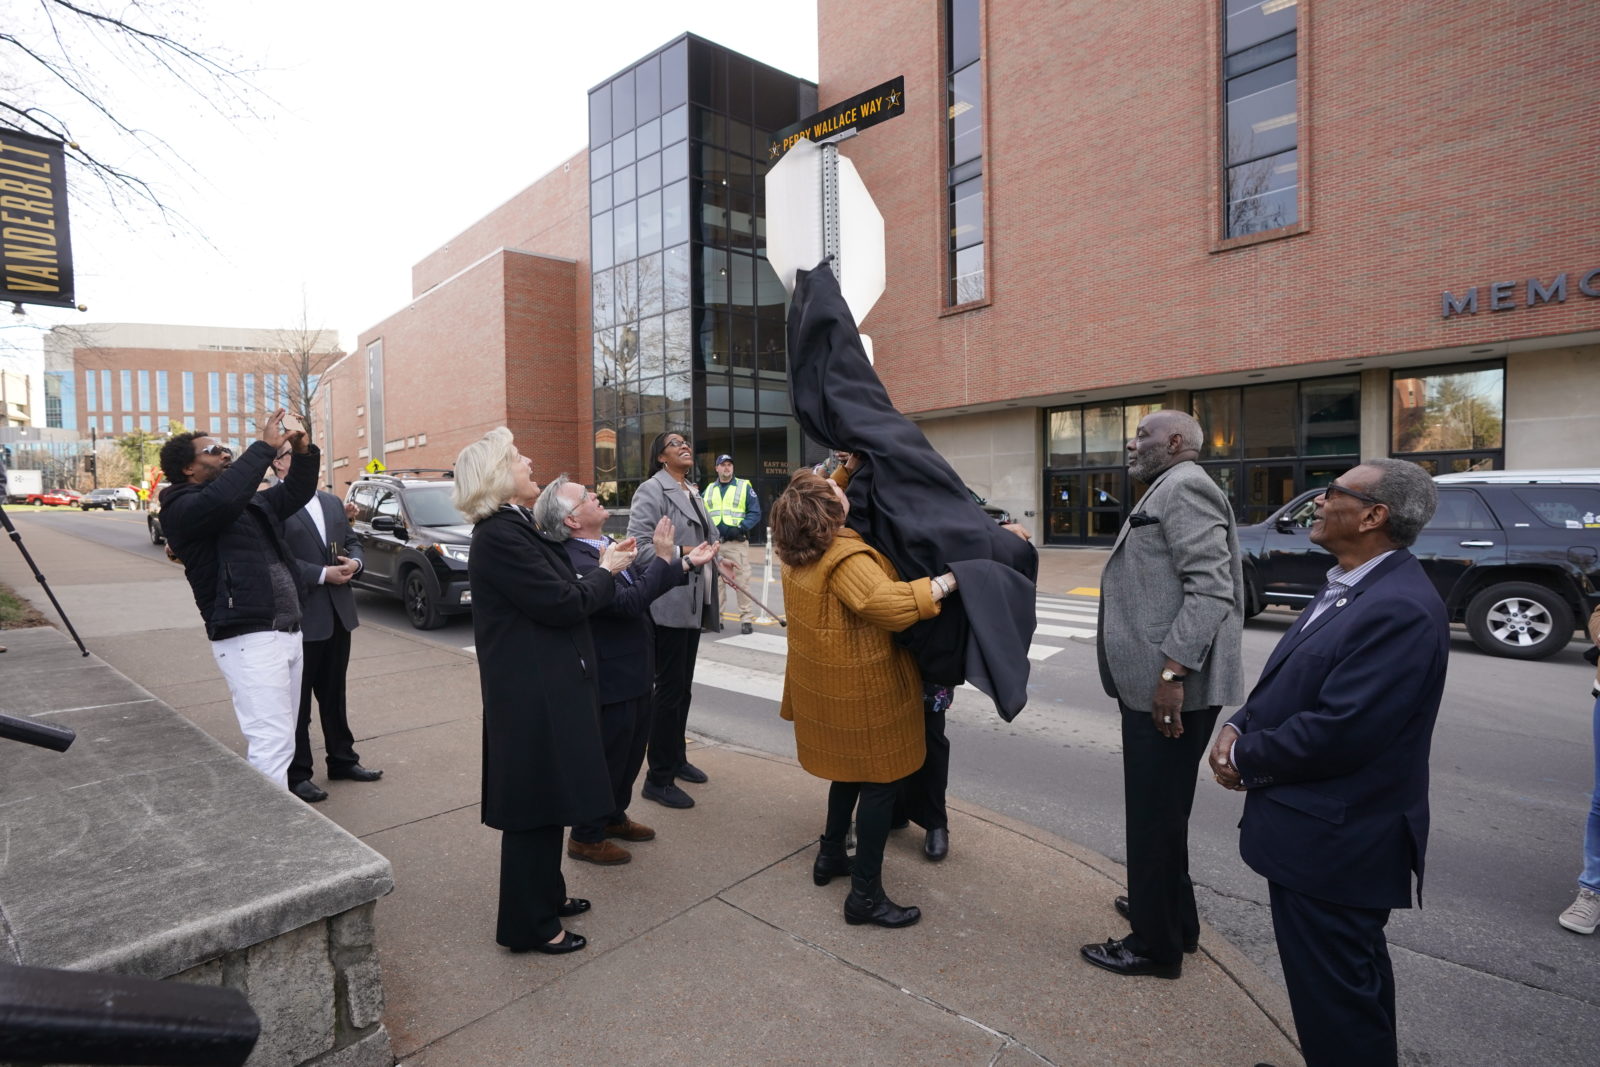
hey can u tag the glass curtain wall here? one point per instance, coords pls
(1449, 419)
(1087, 489)
(688, 317)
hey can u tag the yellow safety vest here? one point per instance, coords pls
(725, 503)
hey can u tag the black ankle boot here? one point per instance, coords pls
(831, 862)
(869, 904)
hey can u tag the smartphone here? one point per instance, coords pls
(290, 425)
(333, 553)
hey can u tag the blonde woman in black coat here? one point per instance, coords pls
(543, 764)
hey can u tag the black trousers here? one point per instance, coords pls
(872, 804)
(1158, 779)
(922, 797)
(675, 655)
(624, 730)
(322, 676)
(1341, 984)
(531, 887)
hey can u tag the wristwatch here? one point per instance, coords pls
(1168, 675)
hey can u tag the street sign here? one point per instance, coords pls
(810, 216)
(374, 467)
(878, 104)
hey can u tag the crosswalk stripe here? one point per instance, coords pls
(1049, 630)
(760, 642)
(1067, 616)
(746, 680)
(1042, 652)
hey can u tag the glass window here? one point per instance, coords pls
(675, 213)
(1461, 509)
(963, 33)
(161, 391)
(1218, 413)
(624, 232)
(1066, 438)
(89, 401)
(675, 75)
(966, 282)
(1568, 507)
(622, 185)
(964, 151)
(675, 277)
(966, 214)
(600, 115)
(674, 163)
(966, 114)
(1249, 22)
(233, 392)
(622, 150)
(144, 390)
(622, 102)
(600, 241)
(600, 161)
(648, 172)
(1261, 122)
(144, 423)
(1330, 416)
(624, 292)
(1448, 409)
(714, 277)
(647, 138)
(1104, 440)
(678, 338)
(127, 390)
(249, 393)
(1269, 421)
(1263, 194)
(599, 195)
(675, 126)
(651, 342)
(649, 276)
(106, 403)
(649, 223)
(213, 390)
(647, 89)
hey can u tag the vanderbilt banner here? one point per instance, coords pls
(35, 250)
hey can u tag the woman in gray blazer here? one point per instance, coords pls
(679, 615)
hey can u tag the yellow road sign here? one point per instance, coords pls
(375, 467)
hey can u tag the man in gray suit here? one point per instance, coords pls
(326, 555)
(1171, 617)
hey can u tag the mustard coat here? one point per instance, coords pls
(855, 697)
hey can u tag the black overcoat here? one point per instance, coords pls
(543, 763)
(907, 502)
(624, 636)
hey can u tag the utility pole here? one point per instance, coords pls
(94, 459)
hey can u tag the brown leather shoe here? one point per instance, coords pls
(605, 853)
(630, 831)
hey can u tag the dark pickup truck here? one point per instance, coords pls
(1516, 557)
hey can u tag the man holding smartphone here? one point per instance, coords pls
(230, 540)
(326, 555)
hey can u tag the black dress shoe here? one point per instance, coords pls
(1121, 904)
(571, 942)
(1116, 957)
(573, 906)
(746, 628)
(937, 845)
(860, 909)
(669, 795)
(355, 773)
(309, 791)
(690, 773)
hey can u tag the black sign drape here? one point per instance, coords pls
(35, 245)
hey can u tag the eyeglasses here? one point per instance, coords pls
(216, 450)
(674, 442)
(1334, 487)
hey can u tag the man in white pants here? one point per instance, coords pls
(230, 540)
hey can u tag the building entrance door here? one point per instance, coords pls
(1085, 507)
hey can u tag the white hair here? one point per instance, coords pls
(485, 474)
(552, 508)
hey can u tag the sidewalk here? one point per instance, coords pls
(712, 945)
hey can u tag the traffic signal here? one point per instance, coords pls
(88, 463)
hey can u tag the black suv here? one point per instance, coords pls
(415, 542)
(1515, 555)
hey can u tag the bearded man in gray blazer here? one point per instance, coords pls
(1171, 619)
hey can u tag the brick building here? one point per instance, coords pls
(1332, 231)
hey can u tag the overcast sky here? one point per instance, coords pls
(384, 129)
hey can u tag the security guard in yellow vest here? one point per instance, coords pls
(731, 502)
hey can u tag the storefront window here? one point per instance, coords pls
(1448, 409)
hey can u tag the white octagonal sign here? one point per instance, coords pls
(795, 226)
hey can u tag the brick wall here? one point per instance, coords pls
(1444, 146)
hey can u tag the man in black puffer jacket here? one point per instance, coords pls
(230, 539)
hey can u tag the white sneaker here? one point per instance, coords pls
(1584, 915)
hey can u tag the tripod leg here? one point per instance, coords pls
(16, 538)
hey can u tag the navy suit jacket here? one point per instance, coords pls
(1334, 743)
(624, 639)
(320, 604)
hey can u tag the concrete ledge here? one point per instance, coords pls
(150, 849)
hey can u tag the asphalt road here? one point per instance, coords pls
(1484, 974)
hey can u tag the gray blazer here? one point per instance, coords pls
(319, 604)
(1174, 588)
(679, 608)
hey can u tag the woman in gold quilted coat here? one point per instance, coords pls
(854, 695)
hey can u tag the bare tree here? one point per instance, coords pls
(65, 70)
(292, 376)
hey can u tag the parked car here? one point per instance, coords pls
(415, 542)
(152, 518)
(55, 498)
(110, 499)
(1515, 555)
(994, 511)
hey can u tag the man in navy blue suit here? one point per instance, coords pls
(625, 645)
(1332, 752)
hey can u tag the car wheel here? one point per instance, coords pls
(421, 607)
(155, 533)
(1520, 620)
